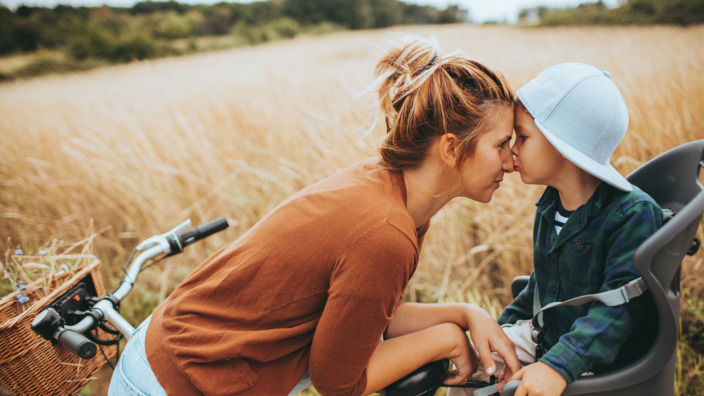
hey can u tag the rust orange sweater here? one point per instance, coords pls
(311, 286)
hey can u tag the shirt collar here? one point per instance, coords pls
(547, 205)
(592, 207)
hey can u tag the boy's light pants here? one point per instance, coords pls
(519, 333)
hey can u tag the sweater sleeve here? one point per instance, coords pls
(365, 287)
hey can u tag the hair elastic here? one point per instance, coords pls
(430, 64)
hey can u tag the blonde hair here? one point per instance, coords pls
(424, 95)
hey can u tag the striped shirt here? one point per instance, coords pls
(561, 216)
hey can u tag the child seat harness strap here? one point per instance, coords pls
(609, 298)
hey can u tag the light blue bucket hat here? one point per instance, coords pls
(582, 113)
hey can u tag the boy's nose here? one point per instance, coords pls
(508, 163)
(514, 148)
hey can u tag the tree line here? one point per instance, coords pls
(79, 38)
(150, 29)
(632, 12)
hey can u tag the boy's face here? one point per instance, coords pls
(535, 158)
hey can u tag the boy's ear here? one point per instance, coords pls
(448, 146)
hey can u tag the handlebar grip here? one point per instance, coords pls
(77, 343)
(206, 230)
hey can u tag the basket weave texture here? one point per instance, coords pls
(29, 364)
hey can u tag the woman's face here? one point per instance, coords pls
(483, 171)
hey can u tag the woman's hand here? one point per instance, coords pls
(487, 337)
(539, 379)
(463, 358)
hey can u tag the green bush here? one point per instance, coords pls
(285, 27)
(47, 64)
(324, 28)
(175, 26)
(27, 34)
(682, 12)
(43, 65)
(100, 44)
(96, 43)
(250, 34)
(136, 47)
(80, 49)
(645, 7)
(672, 12)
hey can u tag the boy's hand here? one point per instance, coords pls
(539, 379)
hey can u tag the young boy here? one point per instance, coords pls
(588, 224)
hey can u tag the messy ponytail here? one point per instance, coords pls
(424, 95)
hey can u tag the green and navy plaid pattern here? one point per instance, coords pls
(593, 253)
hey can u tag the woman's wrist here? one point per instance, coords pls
(454, 340)
(468, 314)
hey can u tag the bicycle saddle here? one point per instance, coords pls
(422, 382)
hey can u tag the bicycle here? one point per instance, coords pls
(672, 178)
(69, 320)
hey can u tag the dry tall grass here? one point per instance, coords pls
(140, 147)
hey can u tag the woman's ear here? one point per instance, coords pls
(448, 147)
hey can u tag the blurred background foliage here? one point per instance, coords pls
(632, 12)
(66, 38)
(74, 38)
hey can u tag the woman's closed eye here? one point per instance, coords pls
(505, 143)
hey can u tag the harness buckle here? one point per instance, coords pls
(535, 336)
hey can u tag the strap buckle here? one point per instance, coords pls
(632, 289)
(535, 332)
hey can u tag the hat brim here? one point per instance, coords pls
(604, 172)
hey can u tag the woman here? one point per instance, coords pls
(308, 292)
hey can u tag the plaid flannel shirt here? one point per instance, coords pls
(593, 253)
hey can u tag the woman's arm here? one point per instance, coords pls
(412, 317)
(396, 357)
(486, 334)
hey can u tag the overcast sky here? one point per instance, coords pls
(480, 10)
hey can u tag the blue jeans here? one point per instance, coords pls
(133, 376)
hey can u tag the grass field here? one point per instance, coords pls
(140, 147)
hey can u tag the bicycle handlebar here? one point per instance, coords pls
(189, 237)
(50, 325)
(77, 343)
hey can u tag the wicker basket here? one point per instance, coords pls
(29, 364)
